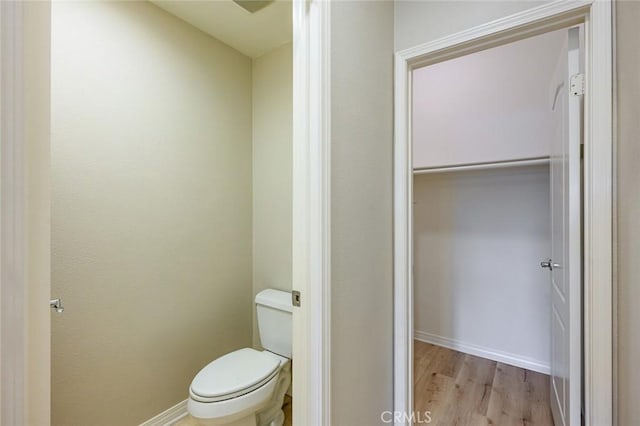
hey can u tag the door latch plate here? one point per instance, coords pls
(576, 84)
(295, 298)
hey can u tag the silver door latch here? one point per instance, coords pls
(57, 305)
(549, 264)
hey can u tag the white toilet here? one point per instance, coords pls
(247, 387)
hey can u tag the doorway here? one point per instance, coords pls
(171, 200)
(517, 27)
(26, 64)
(484, 166)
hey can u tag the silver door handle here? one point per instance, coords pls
(57, 305)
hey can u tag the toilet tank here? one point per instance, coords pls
(274, 310)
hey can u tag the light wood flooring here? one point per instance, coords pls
(466, 390)
(190, 421)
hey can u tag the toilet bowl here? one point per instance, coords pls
(247, 387)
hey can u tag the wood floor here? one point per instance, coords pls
(460, 389)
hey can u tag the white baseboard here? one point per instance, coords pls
(169, 417)
(494, 355)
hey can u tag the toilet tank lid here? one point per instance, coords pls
(276, 299)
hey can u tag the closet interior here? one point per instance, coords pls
(481, 126)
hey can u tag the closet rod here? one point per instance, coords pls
(483, 166)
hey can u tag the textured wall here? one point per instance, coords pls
(361, 211)
(272, 169)
(628, 209)
(151, 159)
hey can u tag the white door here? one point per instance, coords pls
(565, 262)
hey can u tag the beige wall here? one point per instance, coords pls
(272, 169)
(151, 154)
(628, 209)
(361, 211)
(420, 21)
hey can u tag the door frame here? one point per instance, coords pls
(12, 214)
(24, 223)
(596, 15)
(311, 257)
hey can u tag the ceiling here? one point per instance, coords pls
(253, 34)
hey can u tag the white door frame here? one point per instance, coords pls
(311, 212)
(598, 187)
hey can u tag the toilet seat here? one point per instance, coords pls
(233, 375)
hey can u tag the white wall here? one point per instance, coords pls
(492, 105)
(361, 211)
(151, 226)
(272, 170)
(479, 237)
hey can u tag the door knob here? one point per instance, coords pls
(57, 305)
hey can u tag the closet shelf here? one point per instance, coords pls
(483, 166)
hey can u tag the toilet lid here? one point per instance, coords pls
(234, 373)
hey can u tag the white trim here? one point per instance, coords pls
(537, 20)
(598, 217)
(484, 352)
(614, 201)
(170, 416)
(598, 250)
(403, 241)
(311, 212)
(13, 212)
(320, 207)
